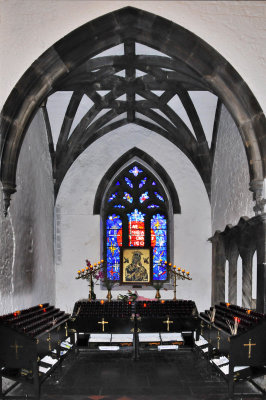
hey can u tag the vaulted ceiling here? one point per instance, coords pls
(132, 83)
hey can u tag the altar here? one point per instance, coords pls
(146, 325)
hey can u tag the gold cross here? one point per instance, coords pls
(168, 322)
(16, 347)
(66, 329)
(103, 322)
(249, 344)
(49, 341)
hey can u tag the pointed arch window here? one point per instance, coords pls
(136, 215)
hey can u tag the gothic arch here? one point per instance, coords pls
(204, 65)
(142, 156)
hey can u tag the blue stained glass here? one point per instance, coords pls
(153, 206)
(153, 183)
(114, 242)
(117, 183)
(113, 222)
(142, 182)
(135, 171)
(159, 242)
(129, 183)
(128, 197)
(119, 206)
(144, 197)
(112, 197)
(136, 215)
(159, 196)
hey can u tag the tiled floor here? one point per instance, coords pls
(182, 375)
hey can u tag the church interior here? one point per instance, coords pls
(133, 193)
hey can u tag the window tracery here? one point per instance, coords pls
(136, 215)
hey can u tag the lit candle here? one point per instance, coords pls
(83, 270)
(183, 271)
(101, 261)
(102, 301)
(79, 272)
(165, 262)
(87, 268)
(187, 273)
(174, 266)
(170, 264)
(178, 269)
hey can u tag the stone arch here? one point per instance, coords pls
(142, 156)
(215, 73)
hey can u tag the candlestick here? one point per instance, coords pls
(178, 274)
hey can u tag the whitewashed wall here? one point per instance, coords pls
(26, 246)
(80, 230)
(231, 197)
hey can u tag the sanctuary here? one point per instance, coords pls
(133, 193)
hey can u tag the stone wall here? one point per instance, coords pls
(26, 246)
(231, 197)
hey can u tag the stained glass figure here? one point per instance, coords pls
(113, 244)
(142, 182)
(117, 183)
(128, 197)
(119, 206)
(153, 183)
(136, 228)
(159, 196)
(129, 183)
(112, 197)
(159, 244)
(135, 171)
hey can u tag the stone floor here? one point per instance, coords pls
(181, 375)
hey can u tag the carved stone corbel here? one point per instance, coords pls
(257, 188)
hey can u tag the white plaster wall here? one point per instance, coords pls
(80, 230)
(236, 29)
(26, 247)
(231, 197)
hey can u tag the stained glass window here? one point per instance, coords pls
(159, 244)
(142, 219)
(135, 171)
(129, 183)
(136, 228)
(128, 197)
(112, 197)
(142, 182)
(159, 196)
(113, 244)
(144, 197)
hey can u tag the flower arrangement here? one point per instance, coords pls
(128, 297)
